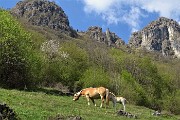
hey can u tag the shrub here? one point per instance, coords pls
(19, 63)
(95, 77)
(130, 89)
(139, 78)
(67, 64)
(172, 103)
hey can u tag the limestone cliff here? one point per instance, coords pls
(43, 13)
(162, 35)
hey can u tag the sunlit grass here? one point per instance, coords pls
(40, 106)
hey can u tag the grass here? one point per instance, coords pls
(40, 106)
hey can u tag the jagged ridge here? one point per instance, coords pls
(108, 37)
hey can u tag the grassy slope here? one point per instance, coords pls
(39, 106)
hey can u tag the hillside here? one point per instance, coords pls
(35, 56)
(40, 106)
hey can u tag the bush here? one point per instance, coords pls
(67, 64)
(131, 90)
(139, 79)
(95, 77)
(19, 63)
(172, 103)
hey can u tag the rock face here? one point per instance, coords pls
(109, 38)
(162, 35)
(44, 13)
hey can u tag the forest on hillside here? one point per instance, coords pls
(29, 60)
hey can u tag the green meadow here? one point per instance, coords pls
(43, 106)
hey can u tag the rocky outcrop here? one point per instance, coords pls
(109, 38)
(7, 113)
(126, 114)
(162, 35)
(44, 13)
(61, 117)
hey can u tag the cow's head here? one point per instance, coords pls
(76, 96)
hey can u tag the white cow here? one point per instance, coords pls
(116, 100)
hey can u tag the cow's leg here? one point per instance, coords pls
(87, 96)
(102, 101)
(123, 103)
(93, 101)
(107, 97)
(114, 103)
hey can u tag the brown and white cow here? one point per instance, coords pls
(93, 93)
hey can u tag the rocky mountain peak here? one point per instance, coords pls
(108, 37)
(161, 35)
(43, 13)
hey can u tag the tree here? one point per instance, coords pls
(19, 63)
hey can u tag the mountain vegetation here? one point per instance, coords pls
(34, 56)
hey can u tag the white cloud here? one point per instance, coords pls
(98, 5)
(165, 8)
(131, 11)
(132, 18)
(105, 8)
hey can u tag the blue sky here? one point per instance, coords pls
(121, 16)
